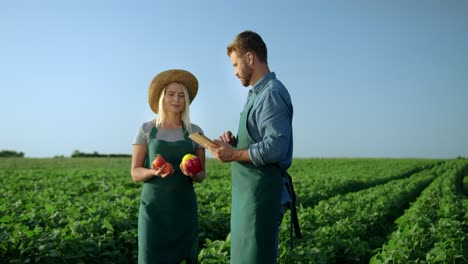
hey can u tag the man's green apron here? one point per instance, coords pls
(256, 201)
(167, 221)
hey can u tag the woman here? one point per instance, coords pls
(167, 221)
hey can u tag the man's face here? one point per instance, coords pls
(242, 68)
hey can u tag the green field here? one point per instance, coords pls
(84, 210)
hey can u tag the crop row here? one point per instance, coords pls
(85, 210)
(314, 180)
(435, 228)
(320, 179)
(63, 216)
(351, 227)
(344, 228)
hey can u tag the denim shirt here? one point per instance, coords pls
(270, 123)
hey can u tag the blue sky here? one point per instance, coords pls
(367, 78)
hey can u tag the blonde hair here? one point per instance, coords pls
(185, 115)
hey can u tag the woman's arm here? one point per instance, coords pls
(138, 171)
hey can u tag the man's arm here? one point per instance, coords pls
(272, 128)
(226, 153)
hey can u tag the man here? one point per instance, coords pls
(260, 154)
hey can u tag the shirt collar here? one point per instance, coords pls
(258, 87)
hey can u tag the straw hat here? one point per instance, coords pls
(166, 77)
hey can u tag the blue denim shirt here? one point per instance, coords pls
(270, 123)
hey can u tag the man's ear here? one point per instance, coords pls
(250, 57)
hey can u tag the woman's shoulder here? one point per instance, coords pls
(147, 126)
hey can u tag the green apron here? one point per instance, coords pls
(256, 201)
(167, 221)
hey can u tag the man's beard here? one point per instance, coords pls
(246, 76)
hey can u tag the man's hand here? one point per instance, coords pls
(227, 137)
(223, 152)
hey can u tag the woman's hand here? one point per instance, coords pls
(162, 172)
(184, 171)
(196, 177)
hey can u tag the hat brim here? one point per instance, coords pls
(166, 77)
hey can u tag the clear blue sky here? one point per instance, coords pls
(367, 78)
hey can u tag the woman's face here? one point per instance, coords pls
(174, 99)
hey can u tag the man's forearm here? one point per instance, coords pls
(242, 155)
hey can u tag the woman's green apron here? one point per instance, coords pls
(256, 199)
(167, 221)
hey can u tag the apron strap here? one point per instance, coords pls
(186, 133)
(294, 223)
(153, 133)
